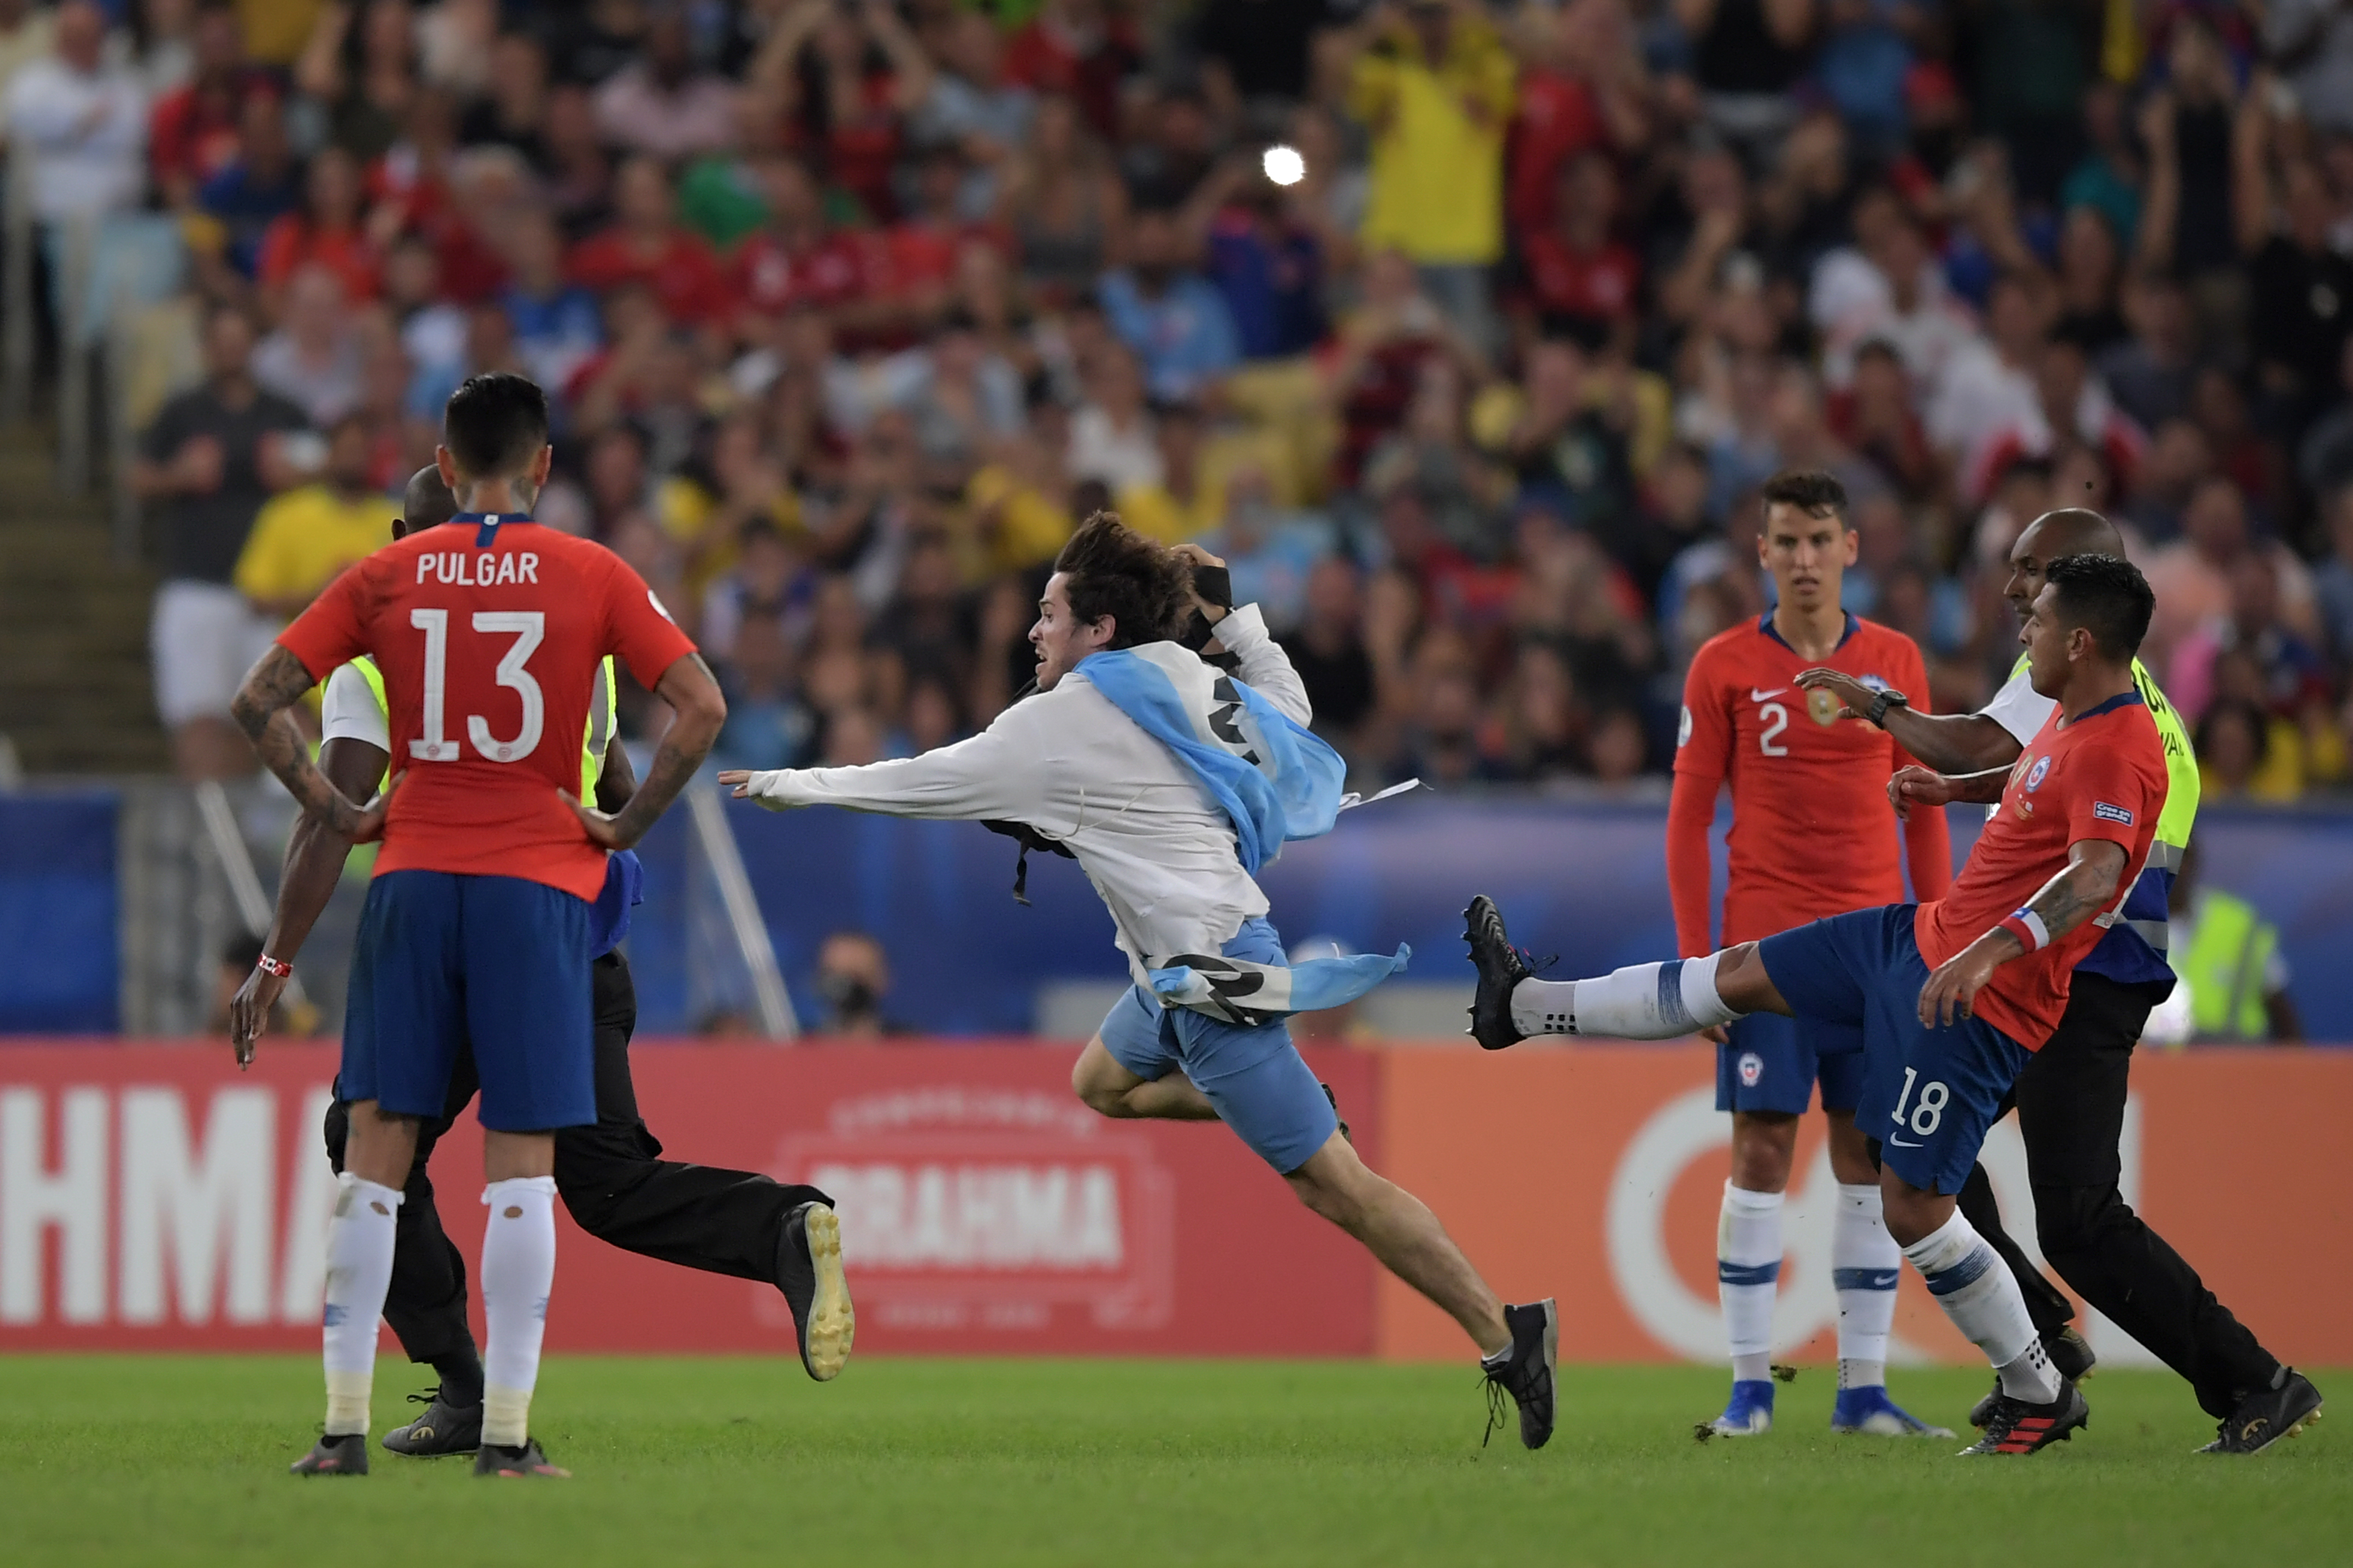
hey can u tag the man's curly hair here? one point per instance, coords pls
(1111, 570)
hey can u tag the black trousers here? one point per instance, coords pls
(611, 1178)
(2071, 1113)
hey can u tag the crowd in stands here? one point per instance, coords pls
(850, 308)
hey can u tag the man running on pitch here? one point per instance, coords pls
(1954, 996)
(608, 1176)
(1170, 785)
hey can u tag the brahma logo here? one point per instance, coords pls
(982, 1208)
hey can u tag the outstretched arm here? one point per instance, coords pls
(697, 712)
(1006, 772)
(1949, 742)
(2088, 884)
(315, 863)
(272, 686)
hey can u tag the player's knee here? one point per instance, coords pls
(1099, 1090)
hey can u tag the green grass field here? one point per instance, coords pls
(182, 1460)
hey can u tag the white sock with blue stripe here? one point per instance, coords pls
(1640, 1002)
(1747, 1277)
(1976, 1289)
(1864, 1263)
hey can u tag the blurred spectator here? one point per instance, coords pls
(647, 244)
(1746, 55)
(767, 725)
(261, 184)
(1271, 554)
(1063, 202)
(1266, 251)
(1327, 649)
(192, 134)
(303, 538)
(28, 33)
(314, 359)
(2149, 373)
(82, 119)
(1580, 281)
(555, 322)
(361, 64)
(327, 230)
(1080, 50)
(853, 980)
(2333, 582)
(206, 466)
(1435, 87)
(973, 107)
(819, 63)
(1175, 321)
(661, 103)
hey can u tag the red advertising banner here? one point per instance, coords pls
(1615, 1157)
(151, 1197)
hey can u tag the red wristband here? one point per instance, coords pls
(2027, 928)
(277, 966)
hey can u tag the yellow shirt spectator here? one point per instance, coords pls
(1438, 140)
(1021, 526)
(303, 539)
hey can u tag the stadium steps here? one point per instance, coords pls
(76, 695)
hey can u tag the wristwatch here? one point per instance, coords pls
(1882, 703)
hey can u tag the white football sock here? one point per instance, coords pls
(518, 1272)
(1976, 1289)
(1747, 1277)
(1640, 1002)
(359, 1274)
(1864, 1263)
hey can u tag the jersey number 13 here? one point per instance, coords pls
(527, 627)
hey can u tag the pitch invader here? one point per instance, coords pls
(1954, 996)
(488, 634)
(1813, 835)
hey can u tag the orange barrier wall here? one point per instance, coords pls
(1593, 1174)
(153, 1197)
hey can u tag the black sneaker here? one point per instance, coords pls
(2263, 1418)
(808, 1271)
(345, 1454)
(2016, 1427)
(1335, 1111)
(1500, 967)
(444, 1429)
(524, 1463)
(2070, 1357)
(1526, 1373)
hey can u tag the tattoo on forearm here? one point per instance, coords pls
(259, 708)
(2074, 895)
(1979, 788)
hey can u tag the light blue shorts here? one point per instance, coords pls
(1253, 1075)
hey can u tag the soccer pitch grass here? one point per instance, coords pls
(170, 1460)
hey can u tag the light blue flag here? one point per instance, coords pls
(1275, 780)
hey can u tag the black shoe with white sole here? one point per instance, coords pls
(1525, 1372)
(2265, 1416)
(808, 1271)
(1500, 967)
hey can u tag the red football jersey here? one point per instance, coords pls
(1813, 833)
(2101, 776)
(489, 653)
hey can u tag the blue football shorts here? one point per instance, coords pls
(1773, 1063)
(1929, 1094)
(446, 960)
(1255, 1078)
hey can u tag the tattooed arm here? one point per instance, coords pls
(272, 686)
(2093, 873)
(697, 710)
(1913, 786)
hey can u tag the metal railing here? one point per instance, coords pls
(725, 858)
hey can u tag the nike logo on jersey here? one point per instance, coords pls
(1907, 1144)
(1756, 696)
